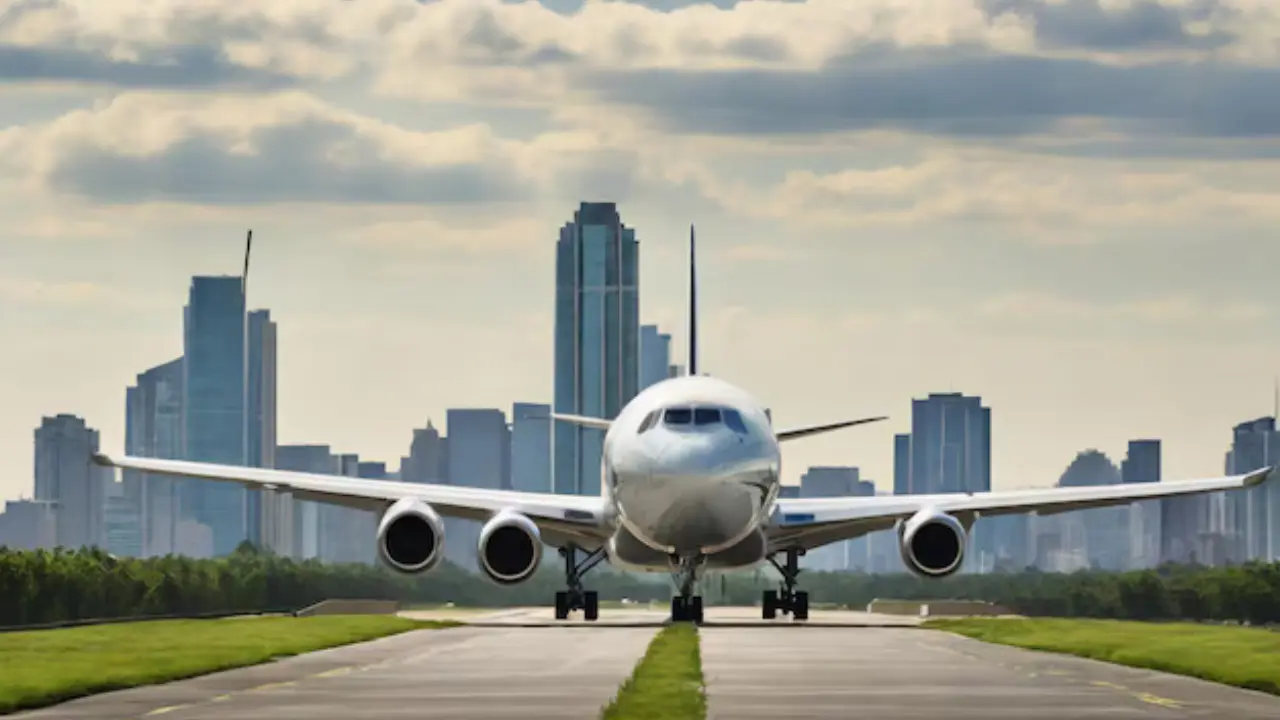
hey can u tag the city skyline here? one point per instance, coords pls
(1095, 269)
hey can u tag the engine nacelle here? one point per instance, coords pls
(411, 536)
(933, 543)
(510, 548)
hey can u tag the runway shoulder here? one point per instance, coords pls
(886, 672)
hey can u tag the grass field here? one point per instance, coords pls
(667, 682)
(1239, 656)
(43, 667)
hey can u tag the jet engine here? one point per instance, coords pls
(510, 548)
(932, 543)
(410, 536)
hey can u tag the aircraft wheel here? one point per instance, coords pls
(562, 605)
(801, 610)
(769, 605)
(590, 606)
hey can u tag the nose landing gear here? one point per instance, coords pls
(786, 599)
(685, 606)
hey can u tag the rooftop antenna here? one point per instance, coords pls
(244, 311)
(693, 305)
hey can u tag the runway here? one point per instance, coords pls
(520, 663)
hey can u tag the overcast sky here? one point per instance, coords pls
(1068, 207)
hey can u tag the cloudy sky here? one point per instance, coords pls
(1069, 207)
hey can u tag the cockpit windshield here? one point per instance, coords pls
(706, 416)
(678, 416)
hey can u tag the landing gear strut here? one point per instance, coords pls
(576, 597)
(685, 606)
(787, 599)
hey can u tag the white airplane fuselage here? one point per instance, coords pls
(691, 470)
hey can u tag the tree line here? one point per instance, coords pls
(47, 586)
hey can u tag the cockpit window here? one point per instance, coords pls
(649, 421)
(706, 416)
(734, 421)
(678, 416)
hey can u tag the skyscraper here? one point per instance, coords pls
(655, 356)
(531, 447)
(479, 456)
(950, 447)
(306, 513)
(1142, 465)
(66, 477)
(265, 509)
(1246, 513)
(153, 428)
(834, 482)
(427, 461)
(213, 390)
(597, 334)
(229, 404)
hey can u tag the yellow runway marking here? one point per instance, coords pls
(273, 686)
(163, 710)
(1157, 700)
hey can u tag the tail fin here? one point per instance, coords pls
(693, 305)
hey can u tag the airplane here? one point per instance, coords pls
(691, 470)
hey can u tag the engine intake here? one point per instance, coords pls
(510, 548)
(410, 536)
(933, 544)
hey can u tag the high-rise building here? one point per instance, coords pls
(66, 477)
(950, 444)
(1246, 514)
(121, 529)
(531, 447)
(655, 356)
(265, 510)
(153, 428)
(229, 408)
(597, 334)
(1142, 465)
(428, 457)
(214, 404)
(902, 464)
(29, 525)
(479, 456)
(835, 482)
(306, 513)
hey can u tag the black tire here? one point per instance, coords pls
(679, 609)
(695, 609)
(590, 606)
(562, 605)
(801, 610)
(769, 605)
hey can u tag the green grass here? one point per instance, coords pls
(43, 667)
(1239, 656)
(667, 682)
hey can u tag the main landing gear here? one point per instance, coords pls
(576, 597)
(787, 599)
(685, 606)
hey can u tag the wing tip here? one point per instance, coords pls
(1259, 476)
(103, 459)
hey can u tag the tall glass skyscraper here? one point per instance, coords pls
(597, 336)
(153, 428)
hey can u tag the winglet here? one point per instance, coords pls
(583, 420)
(102, 459)
(693, 305)
(1257, 477)
(818, 429)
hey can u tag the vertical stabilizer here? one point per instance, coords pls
(693, 305)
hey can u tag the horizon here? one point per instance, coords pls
(1062, 208)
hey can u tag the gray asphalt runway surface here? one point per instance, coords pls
(520, 663)
(891, 673)
(460, 673)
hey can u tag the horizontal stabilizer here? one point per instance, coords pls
(583, 420)
(818, 429)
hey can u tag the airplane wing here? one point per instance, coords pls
(812, 522)
(561, 518)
